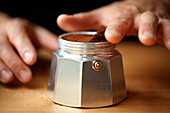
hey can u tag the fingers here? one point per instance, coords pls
(18, 37)
(6, 76)
(148, 28)
(20, 34)
(79, 22)
(45, 39)
(165, 29)
(118, 27)
(13, 62)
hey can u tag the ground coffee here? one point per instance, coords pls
(99, 37)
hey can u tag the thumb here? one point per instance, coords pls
(78, 22)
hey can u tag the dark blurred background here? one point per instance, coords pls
(45, 14)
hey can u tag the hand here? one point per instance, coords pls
(20, 35)
(149, 19)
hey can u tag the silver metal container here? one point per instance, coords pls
(86, 74)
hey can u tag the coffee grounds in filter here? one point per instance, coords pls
(99, 37)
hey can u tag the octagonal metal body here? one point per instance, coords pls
(73, 82)
(86, 74)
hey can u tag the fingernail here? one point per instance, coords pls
(25, 75)
(113, 36)
(149, 34)
(116, 33)
(5, 76)
(28, 57)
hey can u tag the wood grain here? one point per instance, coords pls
(147, 75)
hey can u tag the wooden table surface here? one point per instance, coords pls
(147, 75)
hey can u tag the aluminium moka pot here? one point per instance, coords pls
(86, 74)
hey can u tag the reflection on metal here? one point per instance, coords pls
(87, 74)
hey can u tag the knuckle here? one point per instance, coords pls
(132, 9)
(15, 65)
(126, 19)
(150, 14)
(149, 18)
(115, 20)
(167, 21)
(17, 21)
(17, 28)
(14, 33)
(3, 40)
(164, 23)
(1, 66)
(12, 62)
(122, 21)
(3, 43)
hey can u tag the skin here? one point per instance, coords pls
(147, 19)
(25, 37)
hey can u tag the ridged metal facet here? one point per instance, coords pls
(86, 74)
